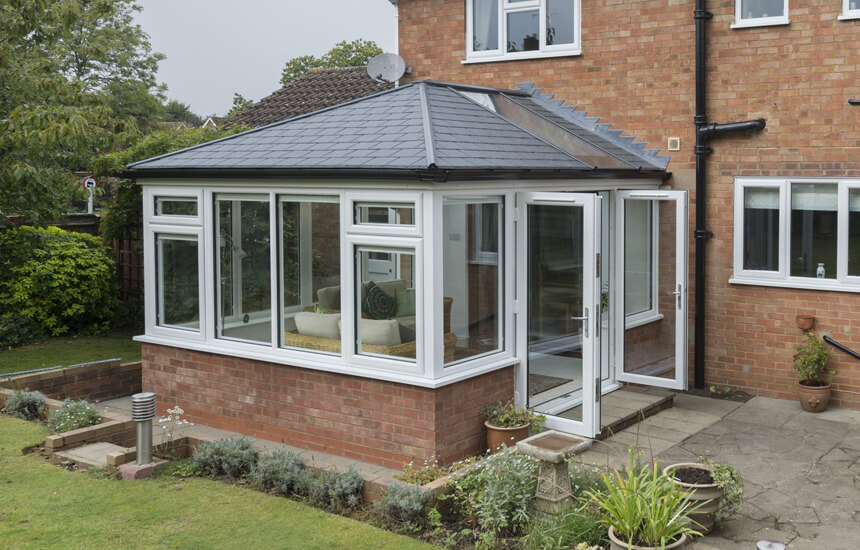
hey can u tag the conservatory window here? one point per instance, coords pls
(472, 279)
(757, 13)
(368, 213)
(175, 206)
(310, 272)
(177, 281)
(243, 268)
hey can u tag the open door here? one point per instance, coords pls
(651, 286)
(558, 308)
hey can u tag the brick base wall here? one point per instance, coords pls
(360, 418)
(96, 382)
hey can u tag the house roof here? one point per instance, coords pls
(314, 91)
(428, 130)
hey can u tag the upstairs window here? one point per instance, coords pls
(521, 29)
(850, 9)
(759, 13)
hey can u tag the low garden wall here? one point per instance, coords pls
(99, 381)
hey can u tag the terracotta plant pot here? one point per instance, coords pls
(805, 321)
(617, 544)
(706, 494)
(509, 436)
(813, 399)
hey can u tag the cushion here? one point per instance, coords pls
(329, 298)
(322, 325)
(389, 287)
(383, 332)
(378, 304)
(404, 300)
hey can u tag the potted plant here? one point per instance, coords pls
(804, 321)
(810, 362)
(644, 509)
(507, 424)
(717, 487)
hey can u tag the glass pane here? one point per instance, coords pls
(813, 230)
(555, 257)
(386, 300)
(637, 257)
(559, 22)
(384, 214)
(310, 263)
(649, 349)
(244, 269)
(761, 229)
(854, 232)
(485, 22)
(165, 206)
(523, 29)
(177, 282)
(472, 278)
(755, 9)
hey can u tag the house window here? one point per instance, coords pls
(175, 206)
(758, 13)
(518, 29)
(797, 233)
(367, 213)
(177, 282)
(850, 9)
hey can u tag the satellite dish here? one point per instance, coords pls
(386, 67)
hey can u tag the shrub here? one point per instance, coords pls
(567, 529)
(278, 471)
(17, 331)
(402, 507)
(73, 415)
(27, 405)
(811, 361)
(233, 458)
(337, 490)
(59, 280)
(509, 416)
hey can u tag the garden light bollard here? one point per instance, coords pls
(142, 412)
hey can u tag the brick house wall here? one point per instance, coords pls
(359, 418)
(637, 72)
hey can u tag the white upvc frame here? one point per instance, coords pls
(653, 313)
(782, 278)
(544, 51)
(679, 382)
(174, 193)
(742, 23)
(848, 12)
(394, 198)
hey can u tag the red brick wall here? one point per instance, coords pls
(95, 382)
(360, 418)
(637, 72)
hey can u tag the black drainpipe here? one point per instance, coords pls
(705, 131)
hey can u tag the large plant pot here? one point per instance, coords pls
(707, 495)
(509, 436)
(616, 543)
(813, 399)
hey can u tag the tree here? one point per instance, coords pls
(239, 104)
(344, 54)
(176, 111)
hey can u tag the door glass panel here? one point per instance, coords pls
(649, 343)
(555, 298)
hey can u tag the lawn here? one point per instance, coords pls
(70, 350)
(45, 506)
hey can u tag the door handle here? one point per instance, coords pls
(584, 320)
(677, 294)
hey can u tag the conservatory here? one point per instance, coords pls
(364, 278)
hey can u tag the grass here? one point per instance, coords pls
(48, 507)
(70, 350)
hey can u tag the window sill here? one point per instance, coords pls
(848, 17)
(530, 55)
(794, 283)
(768, 22)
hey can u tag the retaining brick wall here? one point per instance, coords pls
(360, 418)
(95, 382)
(637, 73)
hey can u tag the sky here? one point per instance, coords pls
(217, 47)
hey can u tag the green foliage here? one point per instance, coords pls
(60, 280)
(429, 470)
(337, 490)
(509, 416)
(497, 492)
(279, 471)
(26, 405)
(811, 359)
(72, 416)
(343, 54)
(644, 506)
(730, 481)
(17, 331)
(402, 507)
(176, 111)
(239, 104)
(569, 529)
(234, 457)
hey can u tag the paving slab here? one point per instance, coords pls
(94, 455)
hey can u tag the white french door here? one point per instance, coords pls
(651, 288)
(558, 308)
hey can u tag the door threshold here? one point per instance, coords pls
(630, 404)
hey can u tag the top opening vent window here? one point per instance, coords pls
(368, 213)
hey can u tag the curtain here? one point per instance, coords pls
(764, 198)
(485, 21)
(814, 196)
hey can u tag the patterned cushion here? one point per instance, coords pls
(377, 304)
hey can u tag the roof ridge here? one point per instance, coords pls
(426, 120)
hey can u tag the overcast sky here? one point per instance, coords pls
(217, 47)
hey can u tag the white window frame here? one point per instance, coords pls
(742, 23)
(782, 277)
(501, 54)
(395, 199)
(847, 12)
(178, 194)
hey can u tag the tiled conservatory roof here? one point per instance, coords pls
(424, 128)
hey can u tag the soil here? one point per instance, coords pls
(727, 394)
(695, 476)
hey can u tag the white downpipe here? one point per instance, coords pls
(396, 5)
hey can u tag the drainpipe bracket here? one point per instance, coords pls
(702, 14)
(703, 234)
(703, 150)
